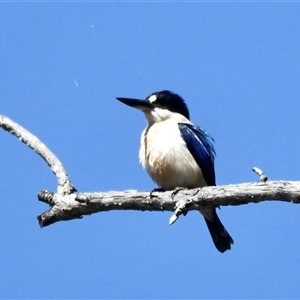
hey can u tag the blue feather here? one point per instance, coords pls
(199, 143)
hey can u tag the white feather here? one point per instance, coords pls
(164, 155)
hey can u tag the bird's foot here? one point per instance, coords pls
(176, 190)
(156, 190)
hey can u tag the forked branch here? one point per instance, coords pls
(68, 205)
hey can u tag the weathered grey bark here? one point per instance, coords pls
(76, 205)
(64, 184)
(68, 205)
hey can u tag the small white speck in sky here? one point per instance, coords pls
(76, 83)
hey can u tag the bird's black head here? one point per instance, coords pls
(168, 100)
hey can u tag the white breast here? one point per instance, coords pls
(164, 155)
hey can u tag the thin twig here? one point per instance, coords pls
(261, 174)
(64, 184)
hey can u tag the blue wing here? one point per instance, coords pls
(199, 143)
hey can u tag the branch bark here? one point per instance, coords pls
(65, 204)
(74, 206)
(64, 184)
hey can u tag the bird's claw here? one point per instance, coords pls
(156, 190)
(176, 190)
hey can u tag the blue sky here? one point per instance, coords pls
(237, 65)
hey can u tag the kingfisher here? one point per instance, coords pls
(178, 154)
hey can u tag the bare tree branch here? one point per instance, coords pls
(68, 205)
(76, 205)
(64, 184)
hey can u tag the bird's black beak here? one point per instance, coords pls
(137, 103)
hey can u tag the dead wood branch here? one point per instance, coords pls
(64, 184)
(68, 205)
(76, 205)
